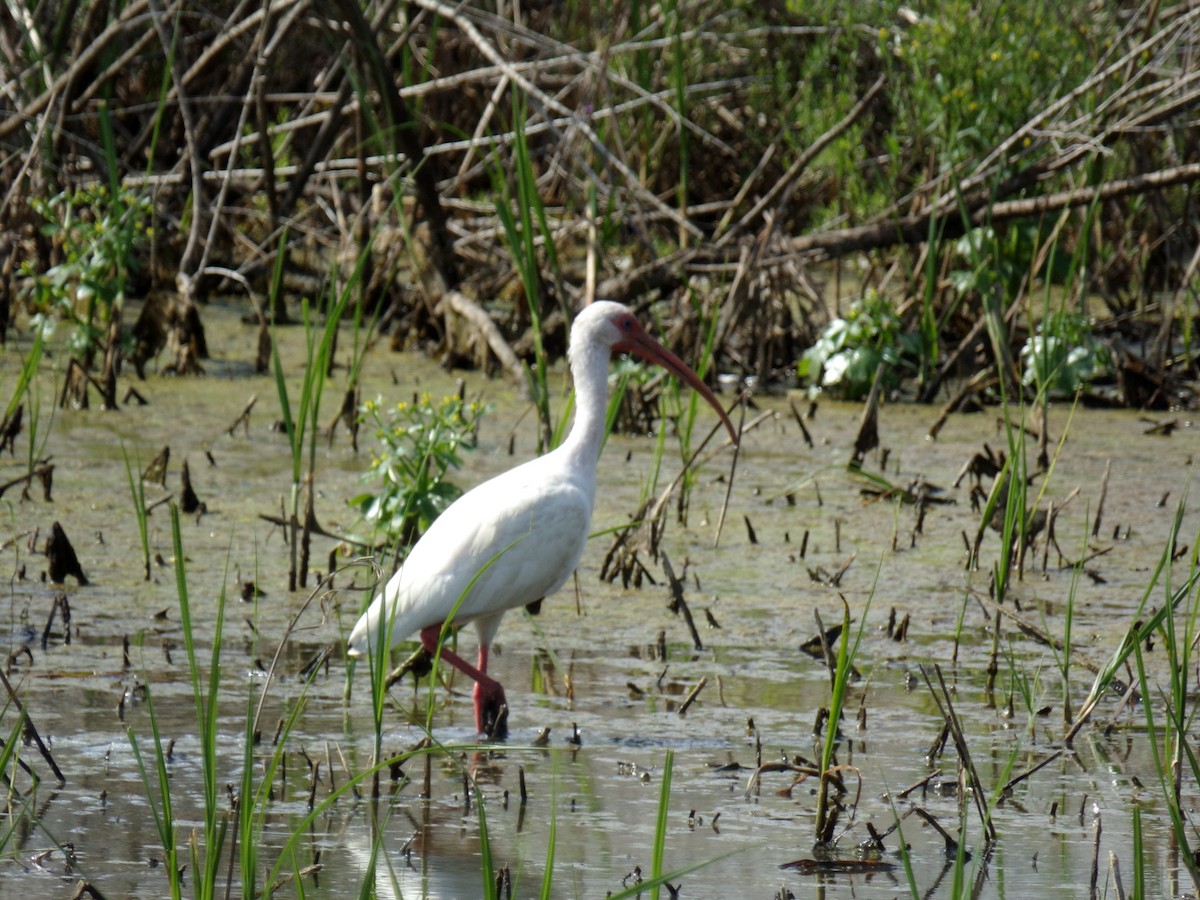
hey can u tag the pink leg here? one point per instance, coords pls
(491, 713)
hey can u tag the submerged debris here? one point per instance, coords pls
(838, 866)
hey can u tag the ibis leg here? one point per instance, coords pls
(491, 709)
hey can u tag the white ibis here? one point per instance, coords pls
(519, 536)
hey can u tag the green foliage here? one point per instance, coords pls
(1064, 355)
(419, 443)
(1001, 258)
(974, 75)
(960, 78)
(100, 234)
(844, 358)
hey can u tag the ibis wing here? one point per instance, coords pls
(508, 542)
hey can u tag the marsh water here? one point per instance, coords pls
(590, 668)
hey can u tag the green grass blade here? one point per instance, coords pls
(660, 825)
(164, 820)
(551, 838)
(1143, 626)
(485, 846)
(29, 367)
(137, 492)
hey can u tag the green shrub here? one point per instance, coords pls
(100, 235)
(419, 443)
(1064, 355)
(849, 350)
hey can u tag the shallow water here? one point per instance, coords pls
(603, 794)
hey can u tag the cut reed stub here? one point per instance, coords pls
(62, 558)
(420, 663)
(750, 533)
(189, 503)
(10, 428)
(156, 472)
(691, 697)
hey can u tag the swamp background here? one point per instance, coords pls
(988, 212)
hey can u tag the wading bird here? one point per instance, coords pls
(516, 538)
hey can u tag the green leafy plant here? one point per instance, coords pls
(1064, 355)
(846, 355)
(100, 232)
(994, 257)
(419, 443)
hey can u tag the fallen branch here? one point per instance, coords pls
(915, 229)
(482, 322)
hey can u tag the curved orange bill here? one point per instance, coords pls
(639, 343)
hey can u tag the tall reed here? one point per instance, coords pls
(27, 391)
(205, 851)
(679, 85)
(660, 825)
(137, 492)
(303, 425)
(521, 239)
(213, 845)
(20, 811)
(1144, 622)
(843, 668)
(1170, 745)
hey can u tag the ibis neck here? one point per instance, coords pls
(589, 368)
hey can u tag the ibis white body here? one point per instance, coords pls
(518, 537)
